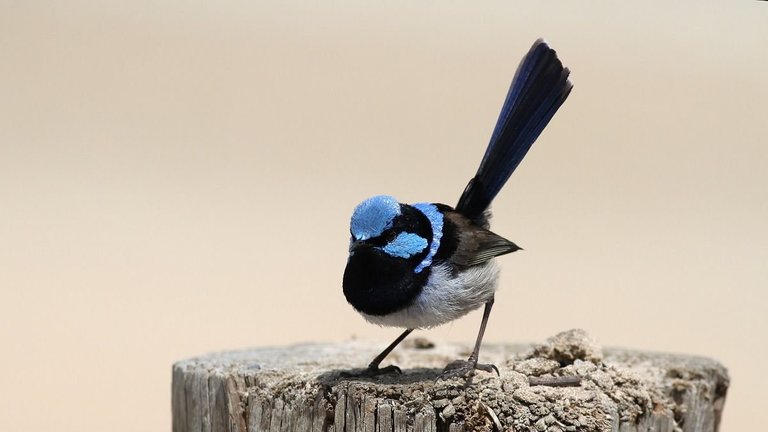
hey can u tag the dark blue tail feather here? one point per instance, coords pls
(539, 88)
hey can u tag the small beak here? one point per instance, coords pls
(355, 244)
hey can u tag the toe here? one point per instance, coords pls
(372, 372)
(464, 368)
(490, 368)
(385, 370)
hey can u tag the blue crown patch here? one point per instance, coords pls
(373, 216)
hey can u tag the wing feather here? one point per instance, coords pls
(475, 244)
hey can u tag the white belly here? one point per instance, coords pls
(444, 298)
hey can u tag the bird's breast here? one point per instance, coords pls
(376, 283)
(446, 296)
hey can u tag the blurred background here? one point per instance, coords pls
(177, 178)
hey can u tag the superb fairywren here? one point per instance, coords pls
(422, 265)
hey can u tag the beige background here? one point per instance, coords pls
(177, 178)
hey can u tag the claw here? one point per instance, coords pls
(385, 370)
(372, 371)
(488, 368)
(466, 368)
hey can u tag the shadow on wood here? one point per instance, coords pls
(304, 388)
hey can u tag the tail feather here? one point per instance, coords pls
(539, 88)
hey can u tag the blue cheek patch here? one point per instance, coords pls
(436, 220)
(406, 245)
(373, 216)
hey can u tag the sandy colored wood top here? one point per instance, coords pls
(303, 387)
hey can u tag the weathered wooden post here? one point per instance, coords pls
(303, 388)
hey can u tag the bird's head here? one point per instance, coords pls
(383, 226)
(392, 245)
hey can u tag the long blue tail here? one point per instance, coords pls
(539, 88)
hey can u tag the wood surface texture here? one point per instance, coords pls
(304, 388)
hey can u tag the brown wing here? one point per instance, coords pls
(476, 244)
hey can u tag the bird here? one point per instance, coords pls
(417, 266)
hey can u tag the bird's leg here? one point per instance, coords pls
(461, 367)
(373, 368)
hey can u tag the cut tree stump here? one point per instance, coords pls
(305, 388)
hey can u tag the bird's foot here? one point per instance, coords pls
(373, 371)
(466, 368)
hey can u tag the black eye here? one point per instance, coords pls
(389, 236)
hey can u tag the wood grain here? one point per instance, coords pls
(303, 388)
